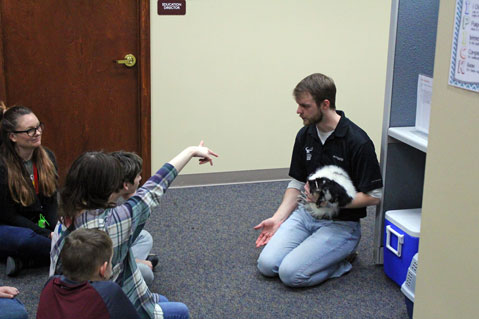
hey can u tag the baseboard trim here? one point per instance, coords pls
(235, 177)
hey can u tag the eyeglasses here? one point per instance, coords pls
(33, 131)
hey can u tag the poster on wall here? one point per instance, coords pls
(464, 70)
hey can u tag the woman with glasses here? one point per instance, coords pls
(28, 190)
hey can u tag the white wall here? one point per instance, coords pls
(225, 72)
(447, 283)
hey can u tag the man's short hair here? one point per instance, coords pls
(84, 251)
(131, 165)
(320, 86)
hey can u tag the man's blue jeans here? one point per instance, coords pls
(306, 251)
(24, 243)
(12, 309)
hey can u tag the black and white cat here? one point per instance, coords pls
(331, 188)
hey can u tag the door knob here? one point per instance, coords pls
(129, 60)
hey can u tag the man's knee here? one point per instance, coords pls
(291, 276)
(267, 266)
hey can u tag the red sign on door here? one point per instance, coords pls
(171, 7)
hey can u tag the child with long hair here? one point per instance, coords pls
(88, 200)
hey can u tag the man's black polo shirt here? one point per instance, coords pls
(348, 147)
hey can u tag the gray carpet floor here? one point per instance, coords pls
(206, 243)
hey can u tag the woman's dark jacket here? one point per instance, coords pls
(12, 213)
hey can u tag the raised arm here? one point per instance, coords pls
(204, 153)
(138, 208)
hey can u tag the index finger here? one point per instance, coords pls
(212, 153)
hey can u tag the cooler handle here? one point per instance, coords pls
(400, 237)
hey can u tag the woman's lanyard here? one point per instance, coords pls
(35, 178)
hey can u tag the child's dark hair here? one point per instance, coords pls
(90, 181)
(84, 251)
(131, 164)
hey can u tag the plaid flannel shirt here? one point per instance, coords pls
(123, 224)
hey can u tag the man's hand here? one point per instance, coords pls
(312, 198)
(8, 292)
(269, 227)
(307, 192)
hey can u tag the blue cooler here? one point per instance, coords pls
(401, 242)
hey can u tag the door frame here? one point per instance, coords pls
(144, 84)
(3, 88)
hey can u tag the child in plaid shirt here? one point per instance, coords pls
(87, 201)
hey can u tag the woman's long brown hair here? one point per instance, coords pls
(19, 183)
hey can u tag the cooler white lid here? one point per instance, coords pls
(409, 220)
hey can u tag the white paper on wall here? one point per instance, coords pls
(423, 105)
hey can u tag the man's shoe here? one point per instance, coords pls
(153, 259)
(13, 267)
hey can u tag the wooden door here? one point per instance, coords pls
(58, 58)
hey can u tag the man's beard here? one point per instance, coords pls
(315, 120)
